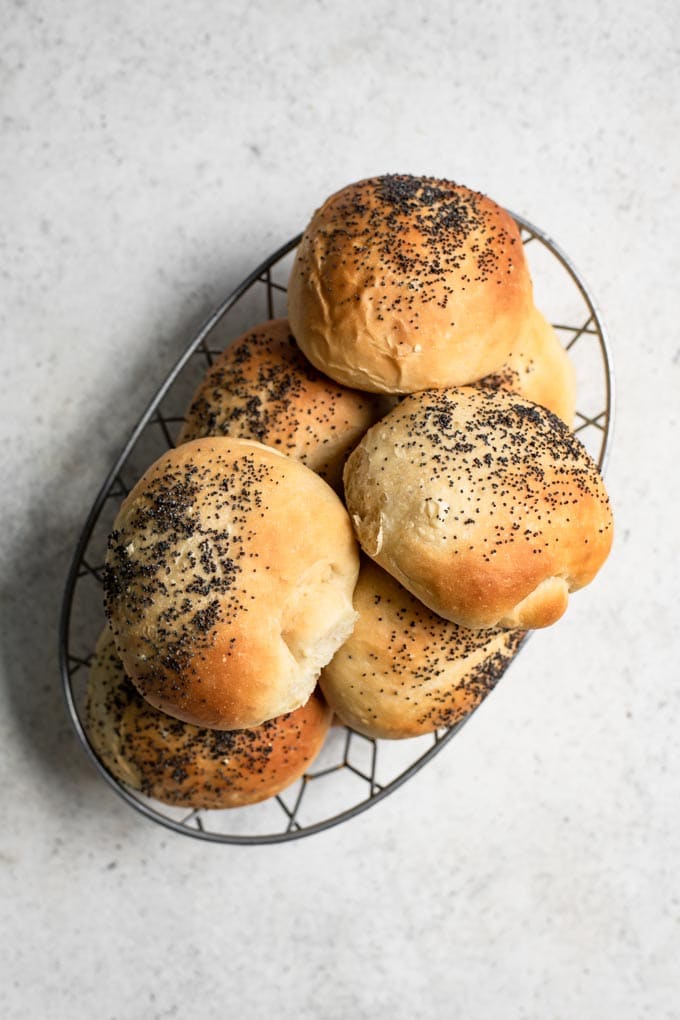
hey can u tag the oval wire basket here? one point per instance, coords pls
(353, 772)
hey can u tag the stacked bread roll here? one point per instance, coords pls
(415, 406)
(192, 766)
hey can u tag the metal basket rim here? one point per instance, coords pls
(90, 521)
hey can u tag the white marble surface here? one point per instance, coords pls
(151, 154)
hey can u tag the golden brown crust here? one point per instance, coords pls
(228, 582)
(405, 671)
(263, 388)
(540, 369)
(404, 283)
(185, 765)
(480, 503)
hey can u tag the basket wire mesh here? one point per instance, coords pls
(353, 772)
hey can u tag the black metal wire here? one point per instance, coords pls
(83, 565)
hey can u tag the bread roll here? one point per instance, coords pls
(181, 764)
(263, 388)
(228, 582)
(404, 283)
(482, 504)
(540, 369)
(405, 671)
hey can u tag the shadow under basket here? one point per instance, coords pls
(352, 772)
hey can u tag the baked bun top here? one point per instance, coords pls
(228, 582)
(263, 388)
(540, 369)
(404, 283)
(482, 504)
(181, 764)
(404, 670)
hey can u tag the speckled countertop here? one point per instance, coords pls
(151, 155)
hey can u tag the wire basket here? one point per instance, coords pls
(353, 772)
